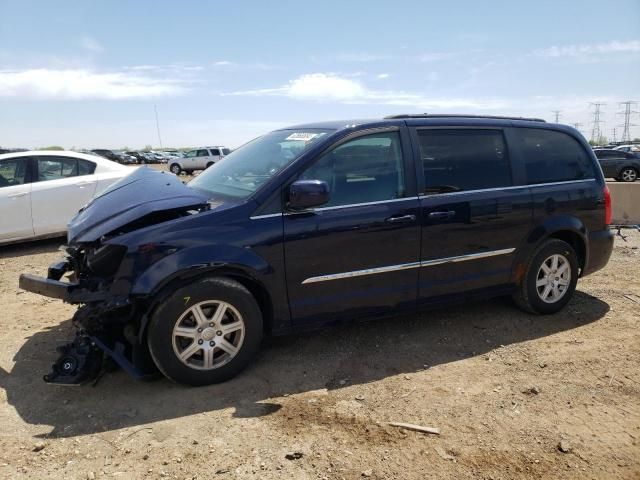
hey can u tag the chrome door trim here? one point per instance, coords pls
(407, 266)
(513, 187)
(464, 258)
(424, 195)
(359, 273)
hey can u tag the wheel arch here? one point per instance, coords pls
(566, 228)
(247, 280)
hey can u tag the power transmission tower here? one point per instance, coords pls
(155, 109)
(626, 132)
(557, 114)
(577, 125)
(596, 132)
(614, 135)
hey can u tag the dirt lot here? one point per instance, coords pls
(505, 388)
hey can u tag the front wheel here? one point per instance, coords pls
(175, 169)
(628, 174)
(205, 332)
(550, 279)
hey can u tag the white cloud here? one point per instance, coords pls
(91, 44)
(325, 87)
(77, 84)
(601, 49)
(382, 76)
(223, 63)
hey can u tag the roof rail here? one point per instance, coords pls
(449, 115)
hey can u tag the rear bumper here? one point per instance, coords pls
(600, 248)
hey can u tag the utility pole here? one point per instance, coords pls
(596, 133)
(577, 125)
(157, 125)
(557, 114)
(626, 132)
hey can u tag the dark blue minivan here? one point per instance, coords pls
(318, 223)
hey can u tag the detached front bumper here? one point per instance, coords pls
(47, 286)
(53, 287)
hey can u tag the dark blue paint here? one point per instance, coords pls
(277, 253)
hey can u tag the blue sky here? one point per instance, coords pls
(88, 73)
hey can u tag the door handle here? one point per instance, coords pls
(401, 219)
(16, 195)
(442, 215)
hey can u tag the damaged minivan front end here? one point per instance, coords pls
(102, 261)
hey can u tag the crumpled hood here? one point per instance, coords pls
(143, 192)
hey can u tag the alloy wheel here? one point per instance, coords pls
(629, 175)
(208, 335)
(554, 278)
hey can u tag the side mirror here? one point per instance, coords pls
(305, 194)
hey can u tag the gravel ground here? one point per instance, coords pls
(514, 395)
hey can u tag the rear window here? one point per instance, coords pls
(552, 156)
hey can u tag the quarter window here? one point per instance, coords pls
(463, 159)
(13, 171)
(366, 169)
(552, 156)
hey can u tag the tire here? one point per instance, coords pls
(532, 290)
(206, 350)
(208, 165)
(175, 169)
(628, 174)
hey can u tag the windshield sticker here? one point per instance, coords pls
(304, 136)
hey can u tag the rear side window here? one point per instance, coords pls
(463, 159)
(552, 156)
(215, 151)
(85, 167)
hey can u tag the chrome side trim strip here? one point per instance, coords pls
(499, 189)
(407, 266)
(464, 258)
(269, 215)
(359, 273)
(424, 195)
(379, 202)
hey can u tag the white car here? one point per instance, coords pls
(628, 148)
(197, 159)
(40, 191)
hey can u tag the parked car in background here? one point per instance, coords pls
(628, 148)
(331, 221)
(198, 159)
(618, 164)
(111, 155)
(138, 156)
(40, 191)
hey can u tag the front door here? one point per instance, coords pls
(15, 199)
(474, 217)
(358, 254)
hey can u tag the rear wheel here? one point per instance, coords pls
(175, 169)
(209, 164)
(628, 174)
(205, 332)
(550, 279)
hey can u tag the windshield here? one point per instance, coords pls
(244, 170)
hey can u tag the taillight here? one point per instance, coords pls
(608, 214)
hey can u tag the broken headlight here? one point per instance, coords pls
(105, 260)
